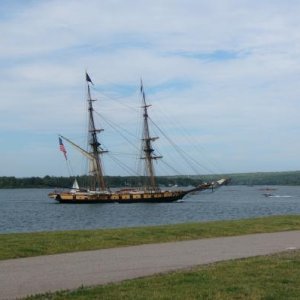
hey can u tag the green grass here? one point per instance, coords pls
(265, 277)
(18, 245)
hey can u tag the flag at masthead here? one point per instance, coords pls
(88, 79)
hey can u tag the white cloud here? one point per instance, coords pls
(233, 103)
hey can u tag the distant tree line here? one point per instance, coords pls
(266, 178)
(261, 178)
(111, 181)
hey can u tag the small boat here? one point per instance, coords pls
(98, 192)
(276, 196)
(268, 195)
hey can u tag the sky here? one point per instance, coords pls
(222, 78)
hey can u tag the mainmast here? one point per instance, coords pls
(96, 150)
(147, 144)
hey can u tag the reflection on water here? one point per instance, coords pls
(27, 210)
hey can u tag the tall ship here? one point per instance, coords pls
(98, 191)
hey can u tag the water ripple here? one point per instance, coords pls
(29, 210)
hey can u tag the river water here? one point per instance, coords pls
(30, 210)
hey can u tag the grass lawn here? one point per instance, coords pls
(33, 244)
(265, 277)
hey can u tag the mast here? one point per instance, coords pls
(96, 150)
(147, 144)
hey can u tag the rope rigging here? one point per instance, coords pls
(127, 135)
(184, 155)
(192, 142)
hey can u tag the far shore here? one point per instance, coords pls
(291, 178)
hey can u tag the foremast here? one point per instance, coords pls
(147, 149)
(96, 168)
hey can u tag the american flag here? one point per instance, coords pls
(62, 148)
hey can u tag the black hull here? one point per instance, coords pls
(127, 201)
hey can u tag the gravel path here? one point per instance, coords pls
(25, 276)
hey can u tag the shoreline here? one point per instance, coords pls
(288, 178)
(18, 245)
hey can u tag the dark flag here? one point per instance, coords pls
(88, 79)
(142, 90)
(62, 148)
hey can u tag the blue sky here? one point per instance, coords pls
(222, 77)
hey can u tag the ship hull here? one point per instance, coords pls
(85, 198)
(130, 195)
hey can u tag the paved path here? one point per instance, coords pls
(25, 276)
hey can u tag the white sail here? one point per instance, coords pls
(75, 187)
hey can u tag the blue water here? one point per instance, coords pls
(29, 210)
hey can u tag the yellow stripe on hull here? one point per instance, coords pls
(167, 196)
